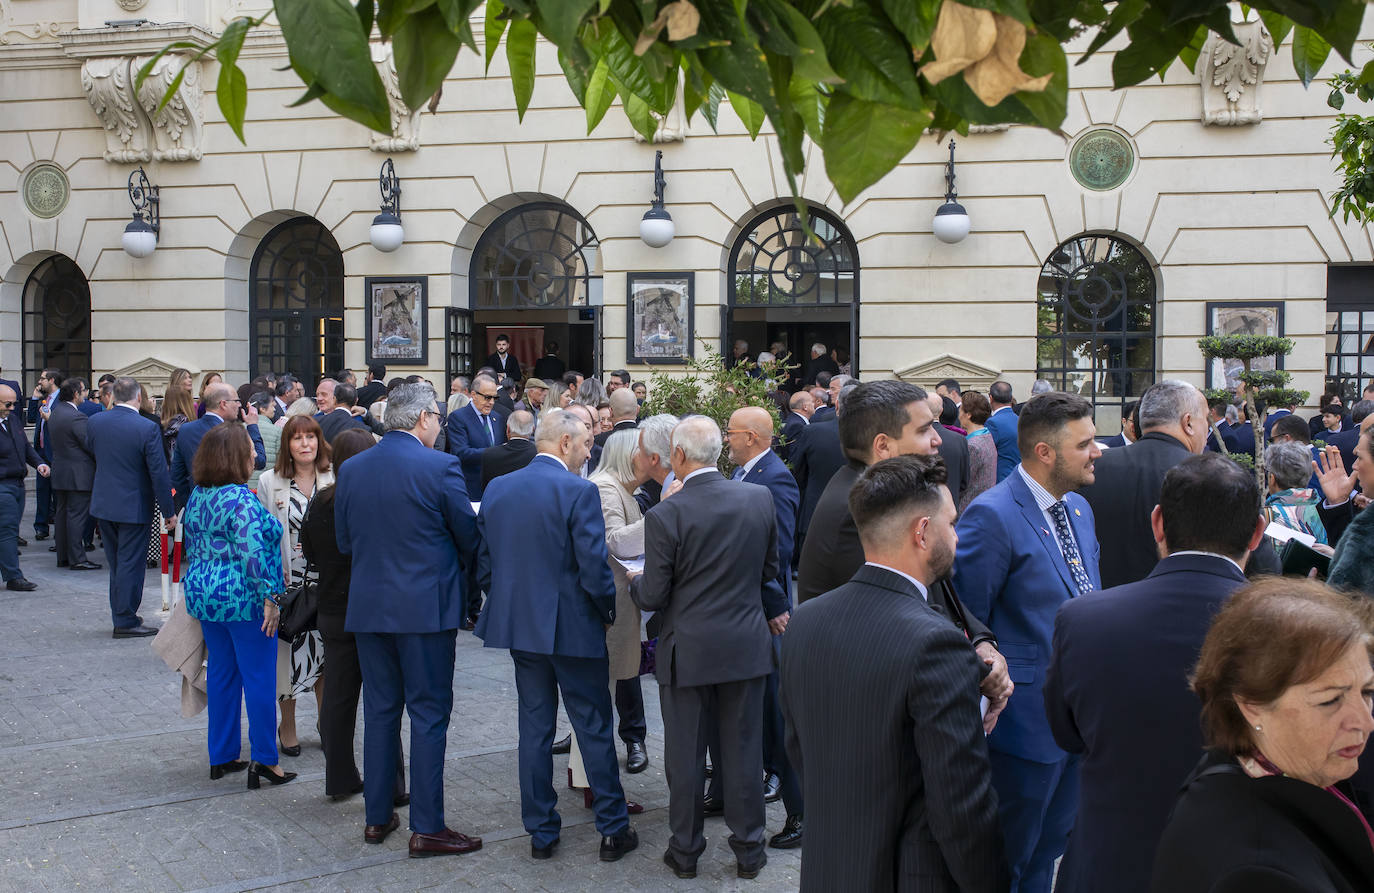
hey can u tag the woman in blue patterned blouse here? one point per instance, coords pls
(233, 581)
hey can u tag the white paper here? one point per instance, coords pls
(633, 565)
(983, 705)
(1283, 534)
(476, 507)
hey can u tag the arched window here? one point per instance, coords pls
(57, 320)
(1096, 320)
(296, 309)
(540, 256)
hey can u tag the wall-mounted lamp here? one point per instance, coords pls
(140, 236)
(951, 222)
(656, 229)
(386, 233)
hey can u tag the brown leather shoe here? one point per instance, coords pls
(443, 843)
(379, 833)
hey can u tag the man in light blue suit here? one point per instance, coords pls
(405, 603)
(473, 429)
(1025, 547)
(1002, 426)
(552, 610)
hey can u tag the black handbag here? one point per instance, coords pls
(300, 609)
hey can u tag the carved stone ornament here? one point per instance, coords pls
(135, 131)
(672, 127)
(405, 124)
(178, 127)
(46, 190)
(1231, 75)
(131, 5)
(150, 372)
(970, 375)
(13, 30)
(109, 86)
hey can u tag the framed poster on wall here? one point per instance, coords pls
(659, 316)
(1242, 318)
(397, 311)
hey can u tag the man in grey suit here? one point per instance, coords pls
(880, 694)
(73, 474)
(709, 551)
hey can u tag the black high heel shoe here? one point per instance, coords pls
(219, 770)
(258, 771)
(292, 751)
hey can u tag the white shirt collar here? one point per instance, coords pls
(749, 466)
(997, 410)
(1233, 561)
(920, 587)
(1043, 498)
(565, 465)
(705, 470)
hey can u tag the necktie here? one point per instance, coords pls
(738, 475)
(1060, 512)
(490, 437)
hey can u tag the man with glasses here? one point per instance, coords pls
(222, 404)
(473, 429)
(16, 453)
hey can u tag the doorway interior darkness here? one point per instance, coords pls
(296, 303)
(57, 321)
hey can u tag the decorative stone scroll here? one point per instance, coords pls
(178, 127)
(405, 124)
(970, 375)
(108, 83)
(672, 127)
(1231, 75)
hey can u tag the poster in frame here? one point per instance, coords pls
(659, 309)
(1242, 318)
(397, 312)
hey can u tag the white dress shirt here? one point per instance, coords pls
(920, 587)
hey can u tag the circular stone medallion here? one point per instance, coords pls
(1101, 160)
(46, 190)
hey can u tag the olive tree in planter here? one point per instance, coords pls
(1269, 387)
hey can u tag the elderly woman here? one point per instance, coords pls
(233, 583)
(300, 406)
(974, 410)
(1291, 503)
(1286, 685)
(266, 406)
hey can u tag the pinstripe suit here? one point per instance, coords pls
(880, 695)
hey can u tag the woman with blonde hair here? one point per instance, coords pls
(178, 408)
(303, 406)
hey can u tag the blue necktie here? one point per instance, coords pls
(738, 475)
(490, 436)
(1059, 511)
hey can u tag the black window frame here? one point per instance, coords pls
(56, 336)
(306, 334)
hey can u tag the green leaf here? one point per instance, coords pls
(605, 41)
(231, 92)
(147, 67)
(424, 52)
(562, 18)
(367, 15)
(1310, 50)
(457, 16)
(495, 27)
(326, 45)
(576, 76)
(711, 109)
(600, 93)
(873, 59)
(1125, 13)
(1277, 25)
(915, 19)
(1015, 8)
(810, 105)
(864, 140)
(641, 118)
(1193, 51)
(312, 92)
(520, 55)
(750, 112)
(390, 15)
(809, 60)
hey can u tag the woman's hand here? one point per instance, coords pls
(1330, 469)
(270, 616)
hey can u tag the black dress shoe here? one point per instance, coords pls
(563, 745)
(636, 759)
(292, 751)
(378, 833)
(19, 584)
(400, 800)
(711, 806)
(40, 536)
(543, 852)
(772, 787)
(347, 794)
(686, 872)
(749, 872)
(22, 541)
(790, 837)
(86, 566)
(52, 548)
(612, 848)
(134, 632)
(219, 770)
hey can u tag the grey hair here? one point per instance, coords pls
(301, 406)
(592, 393)
(406, 403)
(844, 392)
(699, 438)
(1232, 414)
(1041, 386)
(520, 423)
(657, 431)
(1165, 402)
(125, 389)
(617, 457)
(765, 357)
(838, 381)
(558, 423)
(818, 348)
(1360, 410)
(1290, 463)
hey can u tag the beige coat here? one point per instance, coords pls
(272, 493)
(624, 539)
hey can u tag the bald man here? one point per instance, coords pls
(16, 454)
(800, 407)
(222, 404)
(953, 449)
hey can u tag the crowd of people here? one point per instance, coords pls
(958, 635)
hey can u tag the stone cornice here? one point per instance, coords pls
(145, 40)
(30, 56)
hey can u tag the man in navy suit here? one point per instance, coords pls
(800, 407)
(552, 610)
(1138, 731)
(405, 603)
(16, 454)
(1002, 426)
(473, 429)
(40, 405)
(130, 473)
(222, 404)
(1273, 416)
(1026, 546)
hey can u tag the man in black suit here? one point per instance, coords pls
(336, 402)
(1173, 426)
(624, 414)
(815, 456)
(709, 551)
(550, 366)
(1221, 433)
(16, 454)
(881, 696)
(374, 388)
(1346, 440)
(515, 453)
(820, 362)
(820, 397)
(1138, 731)
(800, 406)
(503, 362)
(1128, 432)
(73, 474)
(953, 449)
(40, 405)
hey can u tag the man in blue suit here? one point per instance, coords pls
(40, 405)
(473, 429)
(405, 602)
(1274, 415)
(16, 455)
(1025, 547)
(222, 404)
(1002, 426)
(130, 473)
(1138, 731)
(552, 610)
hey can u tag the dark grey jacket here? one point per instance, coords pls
(73, 463)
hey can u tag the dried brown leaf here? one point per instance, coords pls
(998, 74)
(963, 36)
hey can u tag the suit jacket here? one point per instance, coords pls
(337, 421)
(1002, 426)
(559, 599)
(1245, 437)
(1125, 491)
(549, 367)
(770, 472)
(16, 452)
(130, 468)
(817, 365)
(402, 513)
(468, 439)
(708, 552)
(510, 370)
(1227, 435)
(816, 456)
(1269, 420)
(371, 392)
(792, 427)
(627, 425)
(954, 450)
(1116, 440)
(504, 458)
(1138, 731)
(823, 414)
(184, 453)
(1345, 442)
(90, 407)
(1011, 575)
(73, 463)
(880, 699)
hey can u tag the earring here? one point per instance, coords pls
(1257, 728)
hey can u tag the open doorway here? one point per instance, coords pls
(530, 330)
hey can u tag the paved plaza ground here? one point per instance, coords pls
(103, 786)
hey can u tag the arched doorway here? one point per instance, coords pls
(296, 302)
(790, 286)
(1096, 323)
(57, 320)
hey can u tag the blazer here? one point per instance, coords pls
(1230, 833)
(130, 469)
(624, 539)
(816, 456)
(560, 599)
(954, 450)
(402, 512)
(823, 414)
(320, 546)
(16, 452)
(627, 425)
(337, 421)
(274, 492)
(1346, 442)
(1125, 491)
(1269, 420)
(792, 427)
(232, 561)
(370, 393)
(510, 370)
(1227, 435)
(1116, 440)
(188, 441)
(1002, 426)
(549, 367)
(771, 473)
(879, 695)
(504, 458)
(1009, 571)
(73, 463)
(1138, 730)
(1245, 437)
(467, 439)
(816, 365)
(708, 552)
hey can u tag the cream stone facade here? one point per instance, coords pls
(1232, 210)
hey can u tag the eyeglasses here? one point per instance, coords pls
(9, 405)
(433, 412)
(483, 396)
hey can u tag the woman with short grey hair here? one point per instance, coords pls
(1291, 502)
(592, 393)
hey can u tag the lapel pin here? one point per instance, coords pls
(1078, 512)
(1044, 531)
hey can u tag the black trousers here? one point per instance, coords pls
(629, 703)
(774, 748)
(343, 682)
(73, 512)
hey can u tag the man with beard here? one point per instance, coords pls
(1025, 547)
